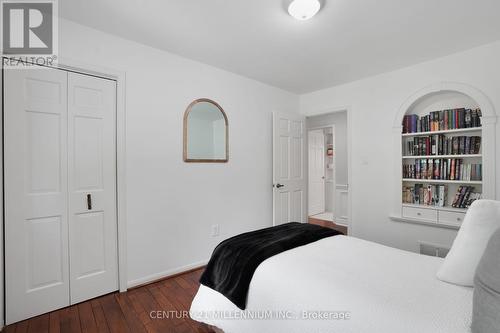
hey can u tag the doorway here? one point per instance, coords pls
(327, 170)
(321, 176)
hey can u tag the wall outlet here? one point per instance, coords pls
(215, 230)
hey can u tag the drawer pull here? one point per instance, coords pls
(419, 214)
(459, 219)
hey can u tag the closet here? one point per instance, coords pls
(60, 190)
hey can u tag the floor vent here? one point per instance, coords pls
(433, 250)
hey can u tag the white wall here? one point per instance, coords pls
(374, 103)
(171, 205)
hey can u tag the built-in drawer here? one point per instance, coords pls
(420, 213)
(451, 218)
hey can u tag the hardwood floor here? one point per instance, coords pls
(126, 312)
(131, 311)
(329, 224)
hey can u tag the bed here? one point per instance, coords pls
(342, 284)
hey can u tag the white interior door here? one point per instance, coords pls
(36, 216)
(92, 186)
(289, 200)
(316, 169)
(60, 190)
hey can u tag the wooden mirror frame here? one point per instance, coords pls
(185, 134)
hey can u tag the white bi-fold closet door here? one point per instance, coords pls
(60, 190)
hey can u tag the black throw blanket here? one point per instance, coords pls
(234, 261)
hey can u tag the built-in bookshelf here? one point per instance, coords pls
(441, 159)
(441, 164)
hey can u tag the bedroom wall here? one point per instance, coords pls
(374, 103)
(171, 205)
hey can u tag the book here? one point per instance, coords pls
(442, 195)
(442, 145)
(451, 176)
(429, 195)
(443, 169)
(472, 197)
(442, 120)
(457, 197)
(465, 196)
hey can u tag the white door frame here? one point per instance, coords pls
(334, 185)
(347, 109)
(2, 258)
(120, 77)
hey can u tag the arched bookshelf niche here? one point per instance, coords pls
(445, 154)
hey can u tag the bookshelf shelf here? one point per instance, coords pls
(444, 156)
(452, 131)
(441, 181)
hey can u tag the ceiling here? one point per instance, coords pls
(346, 41)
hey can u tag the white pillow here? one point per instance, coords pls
(481, 221)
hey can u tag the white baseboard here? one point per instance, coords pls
(341, 221)
(165, 274)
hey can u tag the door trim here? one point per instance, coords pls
(2, 256)
(119, 76)
(347, 109)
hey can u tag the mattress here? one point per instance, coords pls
(342, 284)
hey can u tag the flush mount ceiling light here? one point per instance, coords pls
(304, 9)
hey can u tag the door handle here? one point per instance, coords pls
(279, 185)
(89, 202)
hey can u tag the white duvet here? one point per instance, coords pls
(352, 285)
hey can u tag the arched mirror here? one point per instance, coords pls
(205, 133)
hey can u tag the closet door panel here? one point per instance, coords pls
(92, 186)
(35, 167)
